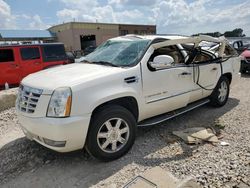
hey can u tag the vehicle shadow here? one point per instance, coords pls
(27, 164)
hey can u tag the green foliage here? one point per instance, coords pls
(235, 33)
(238, 32)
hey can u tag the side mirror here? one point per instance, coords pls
(162, 62)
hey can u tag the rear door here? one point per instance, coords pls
(207, 72)
(30, 59)
(9, 67)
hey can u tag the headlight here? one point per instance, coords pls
(60, 103)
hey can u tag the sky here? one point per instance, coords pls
(170, 16)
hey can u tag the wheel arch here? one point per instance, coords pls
(228, 75)
(128, 102)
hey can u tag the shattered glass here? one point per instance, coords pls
(119, 52)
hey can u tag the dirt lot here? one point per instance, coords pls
(26, 164)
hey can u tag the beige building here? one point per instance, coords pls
(79, 35)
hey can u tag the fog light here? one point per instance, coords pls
(54, 143)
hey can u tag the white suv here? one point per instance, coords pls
(126, 82)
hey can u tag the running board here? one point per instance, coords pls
(169, 115)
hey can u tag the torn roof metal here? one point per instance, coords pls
(196, 40)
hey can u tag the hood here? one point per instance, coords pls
(68, 76)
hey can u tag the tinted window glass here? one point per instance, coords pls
(30, 53)
(6, 56)
(54, 52)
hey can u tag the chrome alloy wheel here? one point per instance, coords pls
(113, 135)
(223, 90)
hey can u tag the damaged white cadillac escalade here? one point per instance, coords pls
(126, 82)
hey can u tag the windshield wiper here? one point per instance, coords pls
(105, 63)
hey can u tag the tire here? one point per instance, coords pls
(220, 94)
(243, 71)
(105, 140)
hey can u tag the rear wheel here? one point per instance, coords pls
(111, 133)
(220, 94)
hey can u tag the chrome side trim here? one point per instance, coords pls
(163, 98)
(131, 79)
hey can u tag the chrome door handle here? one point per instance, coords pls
(36, 63)
(214, 69)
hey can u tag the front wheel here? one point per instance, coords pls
(220, 94)
(111, 133)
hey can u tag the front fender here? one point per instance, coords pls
(87, 99)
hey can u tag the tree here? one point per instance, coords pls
(215, 34)
(238, 32)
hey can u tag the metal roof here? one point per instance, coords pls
(25, 34)
(41, 44)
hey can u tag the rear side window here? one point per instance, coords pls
(229, 51)
(6, 55)
(54, 52)
(30, 53)
(202, 57)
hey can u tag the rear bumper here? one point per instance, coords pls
(59, 134)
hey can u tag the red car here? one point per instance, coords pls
(244, 50)
(18, 61)
(245, 63)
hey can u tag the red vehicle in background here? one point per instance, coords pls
(244, 51)
(245, 62)
(18, 61)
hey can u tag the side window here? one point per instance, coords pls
(30, 53)
(172, 51)
(54, 52)
(6, 55)
(229, 51)
(202, 57)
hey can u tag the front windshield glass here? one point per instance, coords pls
(118, 52)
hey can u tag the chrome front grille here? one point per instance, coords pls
(28, 98)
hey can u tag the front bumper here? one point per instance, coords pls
(59, 134)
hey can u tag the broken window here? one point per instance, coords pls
(172, 51)
(119, 52)
(229, 51)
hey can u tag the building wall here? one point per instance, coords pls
(69, 33)
(64, 34)
(101, 31)
(137, 29)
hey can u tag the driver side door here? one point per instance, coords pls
(166, 89)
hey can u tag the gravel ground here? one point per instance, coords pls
(24, 163)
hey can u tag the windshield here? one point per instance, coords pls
(118, 52)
